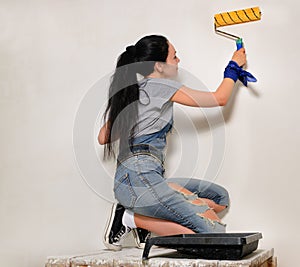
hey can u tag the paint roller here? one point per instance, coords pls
(236, 17)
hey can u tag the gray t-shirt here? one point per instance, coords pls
(155, 110)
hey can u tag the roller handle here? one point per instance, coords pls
(239, 43)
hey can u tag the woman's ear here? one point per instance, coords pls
(158, 66)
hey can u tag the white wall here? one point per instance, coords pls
(53, 52)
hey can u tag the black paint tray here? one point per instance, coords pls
(217, 246)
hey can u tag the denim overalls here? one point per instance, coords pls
(140, 186)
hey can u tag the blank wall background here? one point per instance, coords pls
(53, 52)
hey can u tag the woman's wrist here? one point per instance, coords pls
(235, 72)
(232, 71)
(234, 63)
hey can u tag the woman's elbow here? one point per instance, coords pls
(221, 101)
(101, 140)
(103, 135)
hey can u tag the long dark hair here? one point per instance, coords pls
(121, 111)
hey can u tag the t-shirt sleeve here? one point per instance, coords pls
(167, 88)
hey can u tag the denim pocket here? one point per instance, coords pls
(148, 164)
(124, 192)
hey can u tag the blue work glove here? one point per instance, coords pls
(235, 72)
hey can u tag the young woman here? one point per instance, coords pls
(139, 115)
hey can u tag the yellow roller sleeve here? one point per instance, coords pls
(238, 16)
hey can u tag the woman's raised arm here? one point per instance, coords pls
(195, 98)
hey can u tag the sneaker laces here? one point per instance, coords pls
(121, 234)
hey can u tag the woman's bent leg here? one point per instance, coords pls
(159, 226)
(214, 195)
(140, 187)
